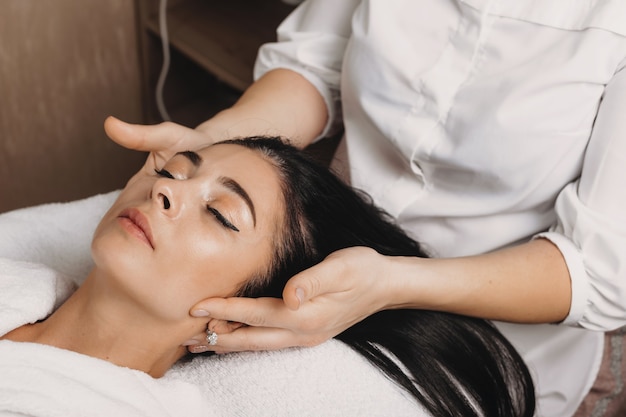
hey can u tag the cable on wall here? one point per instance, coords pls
(166, 60)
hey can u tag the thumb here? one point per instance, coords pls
(301, 288)
(154, 138)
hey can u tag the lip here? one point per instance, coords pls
(136, 223)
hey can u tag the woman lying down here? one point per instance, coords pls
(240, 218)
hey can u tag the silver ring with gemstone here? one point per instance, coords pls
(211, 337)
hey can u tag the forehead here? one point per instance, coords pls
(239, 163)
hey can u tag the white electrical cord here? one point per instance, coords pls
(166, 60)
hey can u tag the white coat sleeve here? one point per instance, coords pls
(591, 227)
(312, 41)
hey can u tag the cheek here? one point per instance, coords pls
(204, 272)
(221, 271)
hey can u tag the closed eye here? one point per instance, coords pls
(164, 173)
(223, 220)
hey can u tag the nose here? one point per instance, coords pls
(166, 195)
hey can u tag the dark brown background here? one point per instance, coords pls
(65, 65)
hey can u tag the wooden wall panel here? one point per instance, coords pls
(64, 66)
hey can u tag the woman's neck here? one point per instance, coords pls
(106, 326)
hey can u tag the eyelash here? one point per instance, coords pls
(220, 218)
(164, 173)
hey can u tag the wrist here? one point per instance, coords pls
(217, 127)
(403, 280)
(237, 123)
(422, 283)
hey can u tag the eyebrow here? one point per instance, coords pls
(227, 182)
(192, 156)
(234, 186)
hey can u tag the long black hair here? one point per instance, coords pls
(453, 365)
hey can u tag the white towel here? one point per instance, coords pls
(42, 381)
(29, 292)
(48, 247)
(57, 235)
(328, 380)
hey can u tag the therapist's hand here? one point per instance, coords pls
(162, 140)
(317, 304)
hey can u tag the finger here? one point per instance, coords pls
(154, 138)
(199, 342)
(260, 312)
(223, 326)
(263, 338)
(196, 340)
(250, 339)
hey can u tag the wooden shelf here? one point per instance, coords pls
(222, 37)
(215, 44)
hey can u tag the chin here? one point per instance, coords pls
(116, 254)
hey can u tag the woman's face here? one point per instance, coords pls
(200, 227)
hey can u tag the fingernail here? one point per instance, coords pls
(191, 342)
(200, 313)
(198, 349)
(300, 294)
